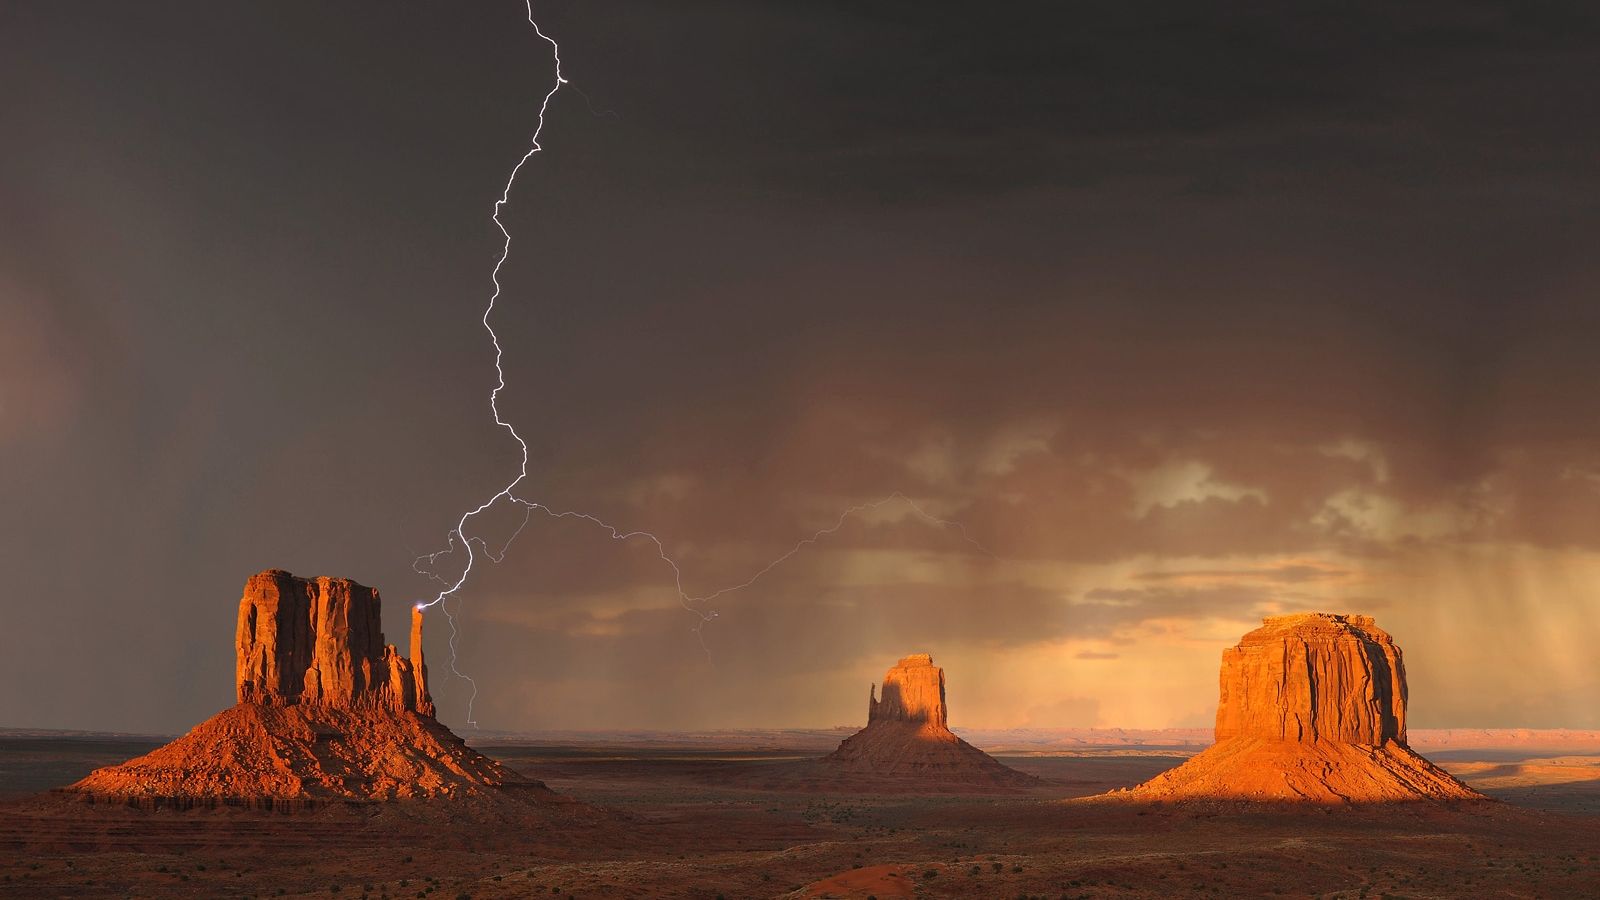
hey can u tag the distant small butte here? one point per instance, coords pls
(908, 735)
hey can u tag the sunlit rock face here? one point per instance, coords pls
(327, 712)
(320, 641)
(1312, 709)
(1314, 676)
(913, 691)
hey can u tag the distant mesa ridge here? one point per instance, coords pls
(1312, 708)
(327, 712)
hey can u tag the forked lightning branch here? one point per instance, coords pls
(462, 540)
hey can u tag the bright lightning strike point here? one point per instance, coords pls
(459, 535)
(500, 376)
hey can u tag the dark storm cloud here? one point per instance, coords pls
(908, 101)
(1182, 312)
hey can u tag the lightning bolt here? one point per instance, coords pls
(458, 538)
(460, 531)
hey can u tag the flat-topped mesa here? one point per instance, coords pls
(1312, 710)
(913, 691)
(1311, 677)
(319, 641)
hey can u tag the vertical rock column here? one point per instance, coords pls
(272, 645)
(345, 618)
(419, 668)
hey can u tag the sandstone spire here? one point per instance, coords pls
(1312, 708)
(419, 668)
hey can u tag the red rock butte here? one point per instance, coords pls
(320, 641)
(327, 711)
(1312, 709)
(907, 735)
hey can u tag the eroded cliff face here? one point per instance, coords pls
(320, 641)
(1314, 676)
(913, 691)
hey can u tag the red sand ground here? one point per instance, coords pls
(871, 881)
(678, 827)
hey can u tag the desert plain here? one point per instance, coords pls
(718, 814)
(332, 777)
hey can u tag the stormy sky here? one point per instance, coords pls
(1187, 315)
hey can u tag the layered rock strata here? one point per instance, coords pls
(1313, 677)
(1312, 708)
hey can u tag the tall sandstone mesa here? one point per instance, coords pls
(320, 641)
(907, 737)
(1312, 708)
(326, 711)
